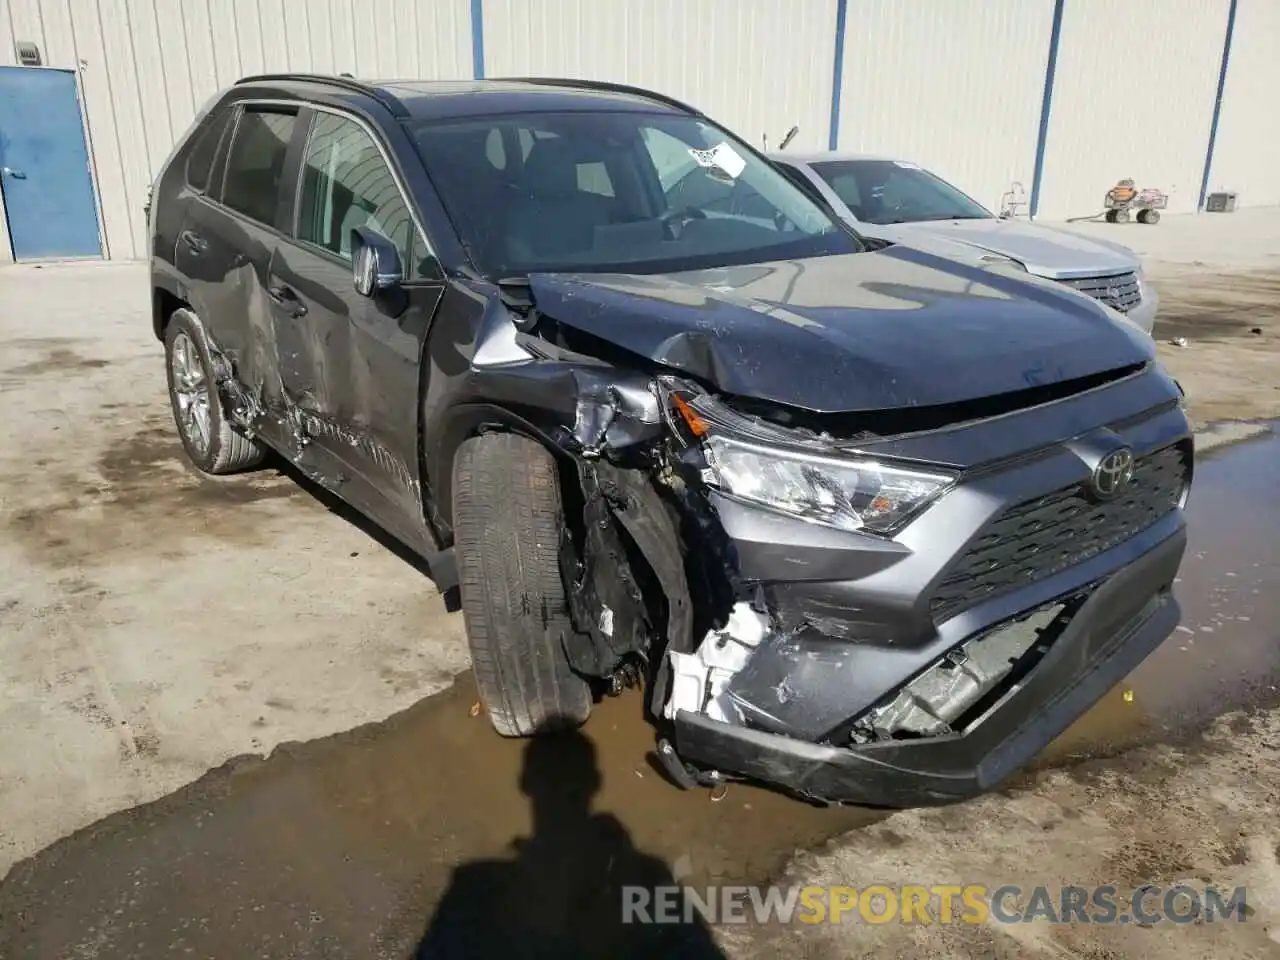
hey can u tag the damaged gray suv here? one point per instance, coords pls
(866, 523)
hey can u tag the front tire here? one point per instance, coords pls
(507, 520)
(212, 444)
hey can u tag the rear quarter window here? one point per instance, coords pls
(204, 149)
(256, 163)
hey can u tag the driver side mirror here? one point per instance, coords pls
(375, 263)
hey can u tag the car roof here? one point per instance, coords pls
(819, 156)
(440, 99)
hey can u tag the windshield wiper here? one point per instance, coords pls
(954, 216)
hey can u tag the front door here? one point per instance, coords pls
(351, 362)
(44, 166)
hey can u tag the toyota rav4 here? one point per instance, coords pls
(863, 522)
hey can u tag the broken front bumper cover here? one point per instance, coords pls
(1122, 621)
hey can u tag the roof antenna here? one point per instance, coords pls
(791, 134)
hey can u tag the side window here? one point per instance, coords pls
(593, 177)
(205, 148)
(670, 156)
(803, 182)
(346, 184)
(495, 151)
(255, 165)
(529, 137)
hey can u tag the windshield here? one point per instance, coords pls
(621, 192)
(894, 191)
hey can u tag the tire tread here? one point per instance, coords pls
(507, 522)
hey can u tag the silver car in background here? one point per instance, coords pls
(901, 202)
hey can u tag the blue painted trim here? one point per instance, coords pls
(477, 38)
(1217, 104)
(837, 76)
(1046, 102)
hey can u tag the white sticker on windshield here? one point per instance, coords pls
(721, 157)
(907, 165)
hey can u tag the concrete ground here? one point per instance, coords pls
(154, 625)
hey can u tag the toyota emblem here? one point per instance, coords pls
(1112, 474)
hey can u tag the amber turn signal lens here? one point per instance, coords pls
(697, 426)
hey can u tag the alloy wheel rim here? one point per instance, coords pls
(190, 392)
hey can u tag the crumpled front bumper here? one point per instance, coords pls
(1123, 620)
(859, 618)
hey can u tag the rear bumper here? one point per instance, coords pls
(1124, 619)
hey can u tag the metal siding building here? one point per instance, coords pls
(954, 86)
(1133, 97)
(757, 66)
(959, 86)
(1246, 155)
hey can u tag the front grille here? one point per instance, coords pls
(1120, 291)
(1041, 537)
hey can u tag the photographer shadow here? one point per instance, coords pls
(561, 893)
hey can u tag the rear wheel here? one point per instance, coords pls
(212, 444)
(507, 519)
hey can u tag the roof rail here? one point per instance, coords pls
(389, 101)
(606, 86)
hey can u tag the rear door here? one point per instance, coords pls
(352, 363)
(229, 235)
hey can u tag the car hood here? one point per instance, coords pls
(1044, 251)
(894, 328)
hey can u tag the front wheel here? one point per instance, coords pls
(507, 521)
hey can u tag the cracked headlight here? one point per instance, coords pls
(852, 494)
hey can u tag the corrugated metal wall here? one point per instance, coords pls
(954, 85)
(147, 65)
(1246, 156)
(757, 66)
(1134, 94)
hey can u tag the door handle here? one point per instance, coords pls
(194, 242)
(286, 297)
(15, 174)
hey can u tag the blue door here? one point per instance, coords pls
(44, 166)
